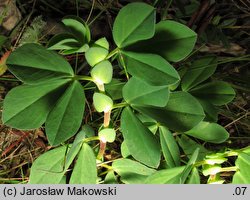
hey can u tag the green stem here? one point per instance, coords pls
(112, 53)
(82, 78)
(123, 65)
(91, 139)
(229, 169)
(120, 105)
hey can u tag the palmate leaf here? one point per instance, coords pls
(151, 68)
(27, 106)
(141, 143)
(172, 40)
(134, 22)
(34, 64)
(85, 171)
(66, 117)
(182, 112)
(138, 92)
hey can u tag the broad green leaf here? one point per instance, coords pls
(151, 68)
(242, 176)
(102, 102)
(209, 132)
(152, 125)
(27, 106)
(210, 110)
(166, 176)
(34, 64)
(141, 143)
(218, 93)
(134, 22)
(183, 112)
(194, 177)
(199, 71)
(172, 40)
(189, 166)
(102, 72)
(85, 171)
(169, 147)
(138, 92)
(66, 117)
(49, 168)
(78, 28)
(189, 146)
(131, 172)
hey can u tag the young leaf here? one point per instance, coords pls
(66, 117)
(169, 147)
(141, 143)
(242, 176)
(49, 167)
(27, 106)
(78, 28)
(131, 172)
(63, 41)
(138, 92)
(199, 71)
(85, 171)
(189, 166)
(151, 68)
(218, 93)
(194, 177)
(124, 150)
(183, 112)
(102, 42)
(172, 40)
(134, 22)
(34, 64)
(110, 178)
(209, 132)
(166, 176)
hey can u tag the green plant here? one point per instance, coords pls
(160, 110)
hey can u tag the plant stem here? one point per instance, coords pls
(101, 150)
(120, 105)
(83, 78)
(91, 139)
(112, 53)
(229, 169)
(106, 118)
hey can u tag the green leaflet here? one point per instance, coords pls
(194, 177)
(49, 168)
(172, 40)
(199, 71)
(131, 172)
(242, 176)
(169, 147)
(85, 171)
(134, 22)
(166, 176)
(218, 93)
(210, 110)
(138, 92)
(27, 106)
(66, 117)
(209, 132)
(151, 68)
(34, 64)
(141, 143)
(182, 112)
